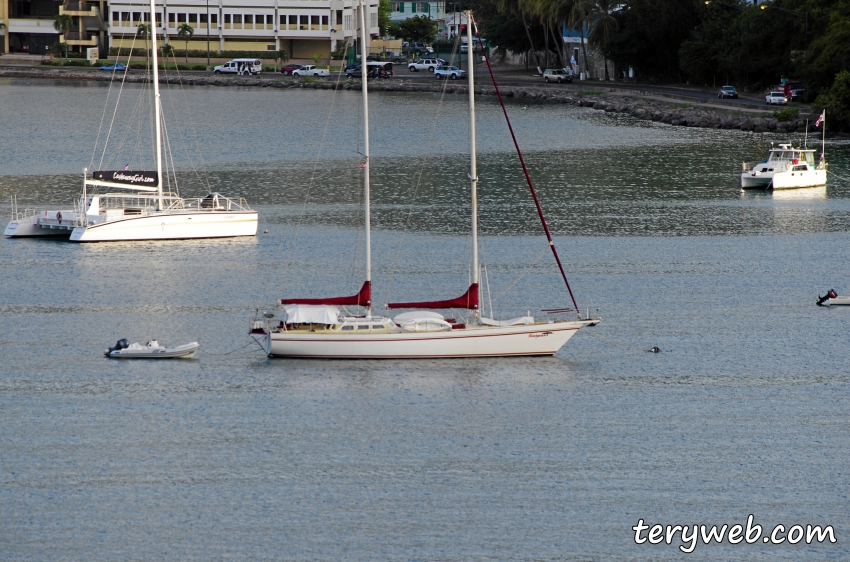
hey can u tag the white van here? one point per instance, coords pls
(248, 66)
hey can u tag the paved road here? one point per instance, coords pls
(513, 76)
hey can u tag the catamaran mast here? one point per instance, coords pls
(367, 214)
(473, 172)
(157, 107)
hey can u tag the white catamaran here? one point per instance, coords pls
(317, 328)
(787, 167)
(145, 211)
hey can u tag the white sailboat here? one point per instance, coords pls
(317, 328)
(145, 211)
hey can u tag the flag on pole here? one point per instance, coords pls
(821, 118)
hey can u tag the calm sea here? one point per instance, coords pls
(234, 456)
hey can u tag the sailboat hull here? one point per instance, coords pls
(170, 226)
(535, 339)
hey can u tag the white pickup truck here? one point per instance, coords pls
(311, 70)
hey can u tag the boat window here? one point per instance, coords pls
(774, 156)
(801, 167)
(363, 327)
(377, 326)
(810, 158)
(764, 169)
(348, 328)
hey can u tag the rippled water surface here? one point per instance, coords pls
(232, 455)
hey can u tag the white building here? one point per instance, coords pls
(404, 10)
(304, 28)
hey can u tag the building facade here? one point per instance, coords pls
(303, 28)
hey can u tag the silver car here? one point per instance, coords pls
(557, 75)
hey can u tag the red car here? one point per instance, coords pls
(287, 70)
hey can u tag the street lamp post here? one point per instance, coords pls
(805, 15)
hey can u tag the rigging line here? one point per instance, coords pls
(309, 185)
(199, 170)
(524, 168)
(418, 183)
(839, 177)
(518, 279)
(612, 340)
(166, 139)
(114, 111)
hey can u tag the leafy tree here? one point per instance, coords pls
(419, 28)
(829, 53)
(836, 101)
(385, 12)
(650, 34)
(316, 58)
(185, 32)
(63, 24)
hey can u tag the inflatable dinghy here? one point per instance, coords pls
(151, 350)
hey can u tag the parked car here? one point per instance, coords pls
(776, 98)
(727, 92)
(311, 70)
(289, 68)
(796, 94)
(425, 64)
(373, 70)
(447, 72)
(251, 66)
(558, 75)
(114, 66)
(422, 47)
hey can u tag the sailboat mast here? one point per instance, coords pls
(473, 171)
(157, 107)
(367, 213)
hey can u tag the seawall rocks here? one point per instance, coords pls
(637, 107)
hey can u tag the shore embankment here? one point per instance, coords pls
(673, 110)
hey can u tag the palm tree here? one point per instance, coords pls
(185, 32)
(144, 31)
(577, 17)
(63, 24)
(603, 25)
(282, 56)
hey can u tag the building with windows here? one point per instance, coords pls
(29, 25)
(404, 10)
(304, 28)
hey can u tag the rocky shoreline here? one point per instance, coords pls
(672, 112)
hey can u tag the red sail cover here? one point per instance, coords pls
(363, 298)
(468, 300)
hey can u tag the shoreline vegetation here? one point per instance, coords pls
(644, 106)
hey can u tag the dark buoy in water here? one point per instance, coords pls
(830, 294)
(654, 350)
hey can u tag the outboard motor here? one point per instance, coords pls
(120, 344)
(829, 295)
